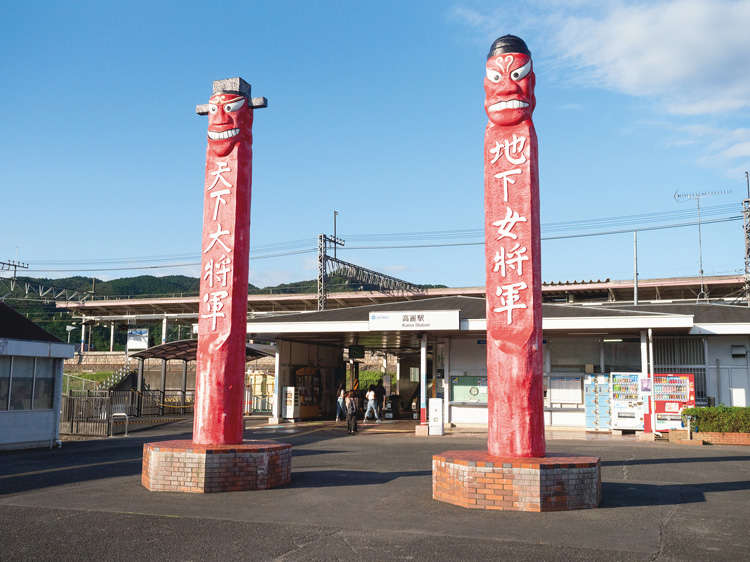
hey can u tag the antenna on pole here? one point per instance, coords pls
(335, 214)
(680, 197)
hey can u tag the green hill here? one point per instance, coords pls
(43, 311)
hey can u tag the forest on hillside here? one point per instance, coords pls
(44, 312)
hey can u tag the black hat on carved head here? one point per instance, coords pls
(508, 44)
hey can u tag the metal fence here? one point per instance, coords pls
(85, 415)
(175, 402)
(149, 402)
(681, 355)
(89, 412)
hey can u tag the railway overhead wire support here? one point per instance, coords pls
(328, 266)
(44, 291)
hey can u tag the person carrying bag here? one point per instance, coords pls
(351, 413)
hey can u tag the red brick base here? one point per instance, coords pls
(556, 482)
(181, 466)
(723, 438)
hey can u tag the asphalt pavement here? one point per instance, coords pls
(368, 497)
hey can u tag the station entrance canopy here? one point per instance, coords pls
(380, 327)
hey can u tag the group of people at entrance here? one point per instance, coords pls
(347, 405)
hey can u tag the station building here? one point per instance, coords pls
(438, 340)
(440, 345)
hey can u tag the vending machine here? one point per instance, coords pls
(597, 403)
(672, 394)
(627, 401)
(309, 392)
(290, 404)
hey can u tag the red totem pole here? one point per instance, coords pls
(222, 325)
(512, 255)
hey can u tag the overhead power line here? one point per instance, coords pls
(443, 238)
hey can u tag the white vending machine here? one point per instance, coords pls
(290, 404)
(627, 402)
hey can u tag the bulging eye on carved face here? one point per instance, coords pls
(229, 121)
(509, 89)
(494, 76)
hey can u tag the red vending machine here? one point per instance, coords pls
(671, 395)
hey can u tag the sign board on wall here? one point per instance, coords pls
(415, 320)
(356, 352)
(137, 338)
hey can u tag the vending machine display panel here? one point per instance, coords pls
(627, 401)
(672, 393)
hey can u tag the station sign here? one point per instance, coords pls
(137, 339)
(415, 320)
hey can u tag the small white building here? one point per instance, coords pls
(31, 371)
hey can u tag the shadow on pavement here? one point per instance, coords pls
(313, 452)
(334, 478)
(626, 494)
(682, 460)
(76, 461)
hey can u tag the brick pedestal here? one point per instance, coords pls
(556, 482)
(181, 466)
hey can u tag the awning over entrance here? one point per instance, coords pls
(186, 350)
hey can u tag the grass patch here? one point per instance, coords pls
(83, 381)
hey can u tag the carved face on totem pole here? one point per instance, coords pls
(509, 82)
(230, 121)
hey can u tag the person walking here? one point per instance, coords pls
(372, 403)
(340, 406)
(380, 397)
(350, 406)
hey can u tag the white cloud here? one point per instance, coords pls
(726, 149)
(689, 59)
(691, 54)
(741, 149)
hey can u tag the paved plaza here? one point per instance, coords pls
(368, 497)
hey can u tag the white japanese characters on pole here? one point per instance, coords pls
(222, 325)
(513, 255)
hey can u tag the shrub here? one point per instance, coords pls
(366, 378)
(721, 419)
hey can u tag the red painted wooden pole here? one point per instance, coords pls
(512, 255)
(222, 324)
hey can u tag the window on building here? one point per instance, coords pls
(22, 383)
(44, 384)
(4, 382)
(622, 355)
(413, 374)
(469, 389)
(572, 355)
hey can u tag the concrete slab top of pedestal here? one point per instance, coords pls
(483, 458)
(248, 446)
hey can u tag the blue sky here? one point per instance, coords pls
(375, 111)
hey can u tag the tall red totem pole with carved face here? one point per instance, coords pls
(222, 324)
(512, 255)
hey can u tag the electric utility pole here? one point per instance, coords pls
(697, 197)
